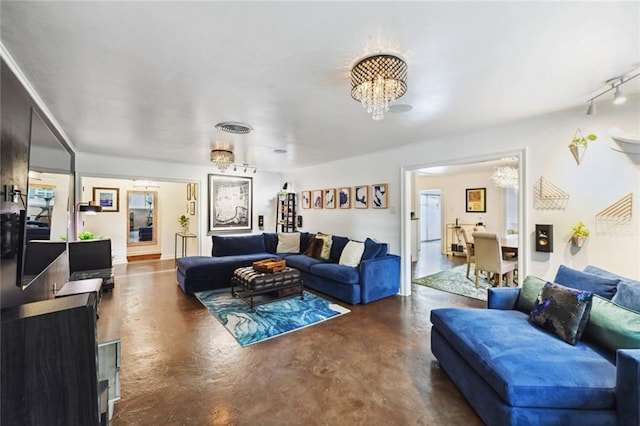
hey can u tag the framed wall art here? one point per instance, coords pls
(344, 197)
(192, 208)
(188, 192)
(476, 200)
(306, 199)
(230, 203)
(330, 198)
(361, 197)
(316, 199)
(107, 198)
(380, 196)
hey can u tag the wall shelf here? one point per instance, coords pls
(547, 196)
(619, 212)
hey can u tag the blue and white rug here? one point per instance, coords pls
(269, 320)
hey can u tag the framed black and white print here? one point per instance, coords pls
(344, 197)
(361, 197)
(306, 199)
(230, 203)
(330, 198)
(316, 199)
(380, 196)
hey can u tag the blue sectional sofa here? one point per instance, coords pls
(376, 276)
(515, 373)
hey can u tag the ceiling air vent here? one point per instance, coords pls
(234, 127)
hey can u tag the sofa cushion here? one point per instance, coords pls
(288, 242)
(562, 310)
(602, 286)
(314, 249)
(371, 249)
(627, 295)
(230, 245)
(612, 326)
(545, 372)
(604, 273)
(302, 262)
(529, 293)
(340, 273)
(270, 241)
(337, 245)
(351, 254)
(205, 266)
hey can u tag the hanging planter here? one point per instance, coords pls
(580, 234)
(579, 144)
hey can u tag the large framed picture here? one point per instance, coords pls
(230, 203)
(380, 196)
(107, 198)
(476, 200)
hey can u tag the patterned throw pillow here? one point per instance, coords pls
(562, 310)
(319, 246)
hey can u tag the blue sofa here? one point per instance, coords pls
(515, 373)
(376, 276)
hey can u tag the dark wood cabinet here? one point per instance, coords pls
(50, 363)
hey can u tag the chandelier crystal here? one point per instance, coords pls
(377, 82)
(222, 158)
(505, 177)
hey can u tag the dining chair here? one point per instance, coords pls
(488, 257)
(468, 242)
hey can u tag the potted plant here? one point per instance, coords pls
(579, 234)
(184, 223)
(579, 144)
(87, 235)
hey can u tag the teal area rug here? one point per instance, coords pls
(269, 320)
(455, 281)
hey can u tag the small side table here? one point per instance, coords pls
(184, 238)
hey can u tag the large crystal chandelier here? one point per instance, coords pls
(377, 82)
(222, 158)
(506, 176)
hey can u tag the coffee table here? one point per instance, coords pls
(254, 283)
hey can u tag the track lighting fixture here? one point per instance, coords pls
(618, 96)
(244, 168)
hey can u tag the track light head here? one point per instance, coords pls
(618, 97)
(591, 110)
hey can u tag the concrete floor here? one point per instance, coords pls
(372, 366)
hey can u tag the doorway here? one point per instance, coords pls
(431, 216)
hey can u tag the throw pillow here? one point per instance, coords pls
(628, 295)
(613, 327)
(351, 254)
(528, 293)
(314, 249)
(562, 310)
(325, 254)
(288, 242)
(602, 286)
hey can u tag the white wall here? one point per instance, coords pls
(603, 177)
(265, 187)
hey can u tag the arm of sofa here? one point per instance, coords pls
(502, 298)
(379, 277)
(628, 386)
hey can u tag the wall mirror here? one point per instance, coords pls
(141, 214)
(47, 201)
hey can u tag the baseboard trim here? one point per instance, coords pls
(148, 256)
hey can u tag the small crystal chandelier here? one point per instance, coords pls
(222, 158)
(377, 82)
(506, 176)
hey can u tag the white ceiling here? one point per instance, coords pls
(151, 79)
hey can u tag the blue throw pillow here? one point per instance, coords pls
(337, 246)
(602, 286)
(562, 310)
(628, 295)
(371, 249)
